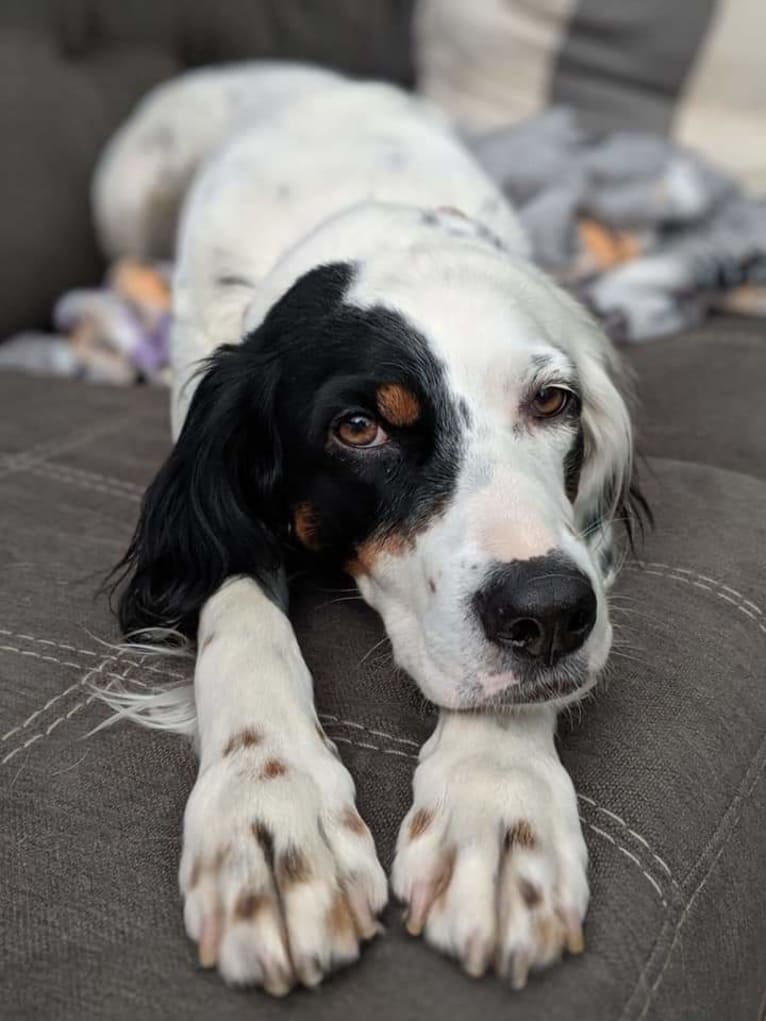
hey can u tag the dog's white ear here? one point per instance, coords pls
(608, 493)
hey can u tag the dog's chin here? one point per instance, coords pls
(528, 685)
(494, 685)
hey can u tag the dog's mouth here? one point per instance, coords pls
(569, 681)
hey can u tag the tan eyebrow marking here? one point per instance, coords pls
(306, 525)
(397, 404)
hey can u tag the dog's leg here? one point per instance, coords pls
(490, 860)
(279, 873)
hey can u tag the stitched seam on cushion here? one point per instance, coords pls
(693, 897)
(708, 588)
(56, 698)
(722, 832)
(642, 840)
(15, 462)
(41, 735)
(174, 674)
(700, 577)
(329, 718)
(91, 476)
(630, 856)
(374, 747)
(44, 470)
(746, 606)
(133, 663)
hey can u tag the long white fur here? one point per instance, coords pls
(295, 168)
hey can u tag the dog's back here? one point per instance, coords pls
(293, 148)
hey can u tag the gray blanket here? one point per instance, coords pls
(650, 236)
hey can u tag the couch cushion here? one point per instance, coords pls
(668, 760)
(701, 395)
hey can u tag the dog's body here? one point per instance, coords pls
(414, 401)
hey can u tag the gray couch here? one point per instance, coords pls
(668, 761)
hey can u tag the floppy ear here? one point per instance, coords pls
(609, 492)
(214, 510)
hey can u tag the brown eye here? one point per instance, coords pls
(550, 401)
(360, 430)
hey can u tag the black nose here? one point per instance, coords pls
(540, 609)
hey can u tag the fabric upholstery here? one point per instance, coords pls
(668, 760)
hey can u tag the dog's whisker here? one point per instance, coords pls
(369, 652)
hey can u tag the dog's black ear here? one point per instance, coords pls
(214, 510)
(633, 511)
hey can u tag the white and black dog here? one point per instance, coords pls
(366, 364)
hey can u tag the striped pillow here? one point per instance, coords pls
(692, 70)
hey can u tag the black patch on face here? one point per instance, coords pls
(573, 463)
(256, 445)
(333, 365)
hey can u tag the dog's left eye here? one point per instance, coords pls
(550, 401)
(359, 430)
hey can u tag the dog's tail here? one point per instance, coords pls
(146, 168)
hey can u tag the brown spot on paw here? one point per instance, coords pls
(529, 893)
(397, 404)
(210, 938)
(353, 821)
(250, 904)
(244, 739)
(521, 834)
(420, 822)
(431, 895)
(444, 877)
(220, 857)
(206, 641)
(292, 867)
(550, 935)
(273, 768)
(265, 839)
(306, 525)
(340, 920)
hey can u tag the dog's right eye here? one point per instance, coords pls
(359, 430)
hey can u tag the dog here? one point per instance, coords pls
(366, 365)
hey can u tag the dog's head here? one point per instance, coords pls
(443, 421)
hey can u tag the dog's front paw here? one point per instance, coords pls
(279, 873)
(491, 864)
